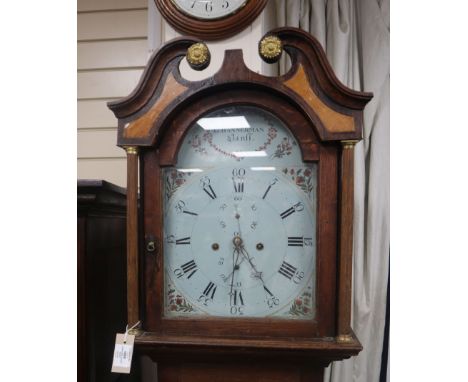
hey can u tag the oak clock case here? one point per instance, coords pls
(241, 250)
(210, 19)
(238, 222)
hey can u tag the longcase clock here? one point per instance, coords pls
(239, 257)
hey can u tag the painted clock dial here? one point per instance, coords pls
(240, 220)
(209, 10)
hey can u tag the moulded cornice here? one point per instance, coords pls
(333, 109)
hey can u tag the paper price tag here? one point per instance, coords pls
(123, 353)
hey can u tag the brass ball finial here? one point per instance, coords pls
(198, 56)
(270, 48)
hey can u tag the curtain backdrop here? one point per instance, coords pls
(356, 37)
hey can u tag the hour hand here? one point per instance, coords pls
(235, 268)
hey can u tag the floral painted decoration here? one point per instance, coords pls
(208, 137)
(302, 177)
(271, 135)
(284, 148)
(173, 179)
(197, 142)
(177, 303)
(302, 305)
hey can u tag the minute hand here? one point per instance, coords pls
(249, 259)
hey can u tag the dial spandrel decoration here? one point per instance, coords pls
(239, 136)
(240, 220)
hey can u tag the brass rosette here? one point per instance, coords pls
(270, 48)
(198, 56)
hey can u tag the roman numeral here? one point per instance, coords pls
(210, 288)
(287, 270)
(205, 184)
(210, 192)
(238, 185)
(190, 266)
(297, 207)
(266, 192)
(268, 291)
(288, 212)
(236, 298)
(295, 241)
(273, 182)
(180, 208)
(184, 240)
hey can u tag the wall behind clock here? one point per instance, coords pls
(112, 53)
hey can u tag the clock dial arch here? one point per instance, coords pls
(179, 124)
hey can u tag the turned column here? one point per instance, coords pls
(132, 235)
(345, 260)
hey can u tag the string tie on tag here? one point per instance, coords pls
(127, 330)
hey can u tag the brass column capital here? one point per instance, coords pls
(131, 149)
(349, 144)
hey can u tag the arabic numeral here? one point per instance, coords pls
(272, 302)
(178, 272)
(298, 277)
(180, 206)
(237, 303)
(298, 206)
(308, 241)
(237, 310)
(239, 172)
